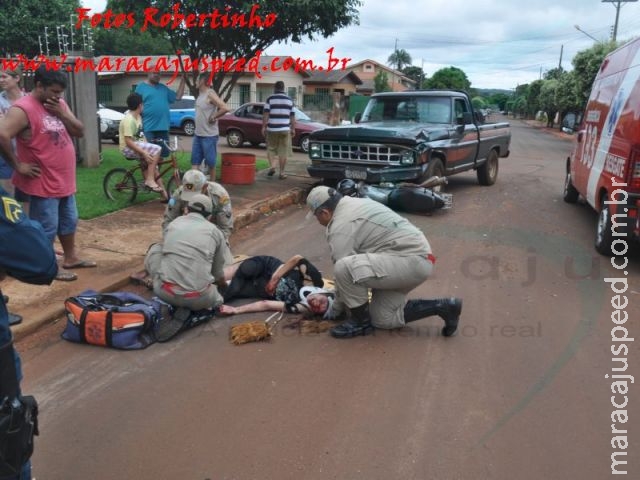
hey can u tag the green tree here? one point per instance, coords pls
(567, 99)
(414, 73)
(499, 99)
(533, 92)
(449, 77)
(22, 22)
(586, 65)
(381, 82)
(399, 59)
(294, 21)
(547, 99)
(554, 73)
(478, 103)
(125, 42)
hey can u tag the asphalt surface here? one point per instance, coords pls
(519, 393)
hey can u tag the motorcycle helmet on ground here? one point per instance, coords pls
(347, 188)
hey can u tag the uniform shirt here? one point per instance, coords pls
(222, 214)
(192, 253)
(280, 108)
(361, 225)
(49, 147)
(204, 111)
(25, 254)
(156, 100)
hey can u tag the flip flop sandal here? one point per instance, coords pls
(282, 176)
(271, 172)
(170, 326)
(66, 276)
(156, 188)
(14, 319)
(81, 264)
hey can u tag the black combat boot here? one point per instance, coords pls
(447, 308)
(358, 324)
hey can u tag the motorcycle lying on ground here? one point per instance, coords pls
(405, 197)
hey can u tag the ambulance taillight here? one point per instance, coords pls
(633, 181)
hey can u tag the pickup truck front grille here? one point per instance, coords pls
(361, 153)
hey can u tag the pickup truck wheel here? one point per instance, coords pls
(604, 235)
(235, 138)
(570, 194)
(488, 171)
(435, 169)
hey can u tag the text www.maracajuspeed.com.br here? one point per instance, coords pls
(176, 65)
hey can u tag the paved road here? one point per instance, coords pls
(520, 393)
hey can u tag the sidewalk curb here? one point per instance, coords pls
(251, 214)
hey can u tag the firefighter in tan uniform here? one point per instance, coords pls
(193, 183)
(188, 266)
(372, 247)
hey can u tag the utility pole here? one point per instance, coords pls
(560, 62)
(618, 5)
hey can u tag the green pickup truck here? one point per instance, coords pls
(409, 137)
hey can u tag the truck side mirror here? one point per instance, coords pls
(358, 117)
(465, 119)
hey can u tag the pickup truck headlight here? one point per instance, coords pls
(407, 158)
(314, 150)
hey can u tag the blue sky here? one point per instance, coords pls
(497, 43)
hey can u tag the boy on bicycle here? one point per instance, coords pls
(133, 145)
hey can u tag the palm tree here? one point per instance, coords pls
(399, 59)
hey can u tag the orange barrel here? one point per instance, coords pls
(238, 168)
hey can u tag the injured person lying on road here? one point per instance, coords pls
(279, 286)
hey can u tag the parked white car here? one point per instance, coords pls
(109, 123)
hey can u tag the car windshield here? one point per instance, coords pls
(414, 109)
(301, 116)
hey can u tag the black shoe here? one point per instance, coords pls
(448, 309)
(450, 312)
(171, 325)
(358, 324)
(14, 319)
(350, 329)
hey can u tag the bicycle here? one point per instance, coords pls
(120, 184)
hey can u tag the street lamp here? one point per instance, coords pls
(587, 34)
(617, 4)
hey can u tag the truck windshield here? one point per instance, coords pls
(414, 109)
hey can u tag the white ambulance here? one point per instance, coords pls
(604, 166)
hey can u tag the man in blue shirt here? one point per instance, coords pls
(27, 255)
(156, 99)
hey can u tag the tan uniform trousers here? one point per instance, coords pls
(208, 298)
(390, 279)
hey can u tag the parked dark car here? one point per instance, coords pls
(182, 115)
(245, 125)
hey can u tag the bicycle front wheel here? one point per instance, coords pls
(120, 186)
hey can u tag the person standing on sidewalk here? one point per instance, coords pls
(374, 248)
(45, 164)
(209, 107)
(157, 98)
(26, 254)
(278, 127)
(11, 91)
